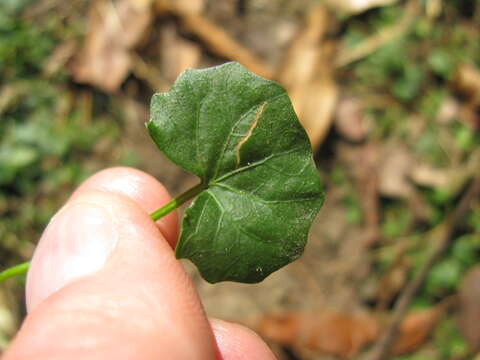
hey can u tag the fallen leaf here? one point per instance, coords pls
(301, 60)
(451, 179)
(306, 73)
(342, 334)
(350, 119)
(180, 6)
(448, 111)
(221, 43)
(177, 53)
(114, 29)
(325, 332)
(282, 328)
(467, 82)
(425, 175)
(416, 328)
(394, 170)
(357, 6)
(468, 315)
(314, 104)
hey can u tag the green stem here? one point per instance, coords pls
(175, 203)
(21, 269)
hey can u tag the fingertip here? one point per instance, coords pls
(138, 186)
(104, 275)
(237, 342)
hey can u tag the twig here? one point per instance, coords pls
(221, 43)
(381, 350)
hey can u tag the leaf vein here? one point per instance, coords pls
(255, 164)
(260, 200)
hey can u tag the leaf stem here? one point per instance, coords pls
(175, 203)
(21, 269)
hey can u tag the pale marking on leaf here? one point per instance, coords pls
(234, 223)
(249, 132)
(260, 200)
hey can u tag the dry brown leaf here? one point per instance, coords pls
(451, 179)
(301, 61)
(306, 73)
(433, 8)
(180, 6)
(281, 328)
(395, 167)
(350, 119)
(177, 53)
(314, 104)
(222, 44)
(325, 332)
(342, 334)
(467, 82)
(448, 111)
(114, 29)
(214, 37)
(426, 175)
(357, 6)
(416, 328)
(468, 315)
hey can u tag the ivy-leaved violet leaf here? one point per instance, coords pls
(259, 188)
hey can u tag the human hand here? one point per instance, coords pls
(104, 284)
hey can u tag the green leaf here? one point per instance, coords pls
(239, 134)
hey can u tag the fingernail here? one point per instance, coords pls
(77, 242)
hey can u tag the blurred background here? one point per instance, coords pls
(389, 93)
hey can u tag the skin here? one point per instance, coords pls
(104, 284)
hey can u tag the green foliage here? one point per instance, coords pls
(465, 138)
(429, 147)
(23, 46)
(396, 220)
(407, 85)
(448, 341)
(445, 276)
(45, 146)
(473, 220)
(353, 209)
(440, 62)
(239, 134)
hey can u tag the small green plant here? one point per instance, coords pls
(259, 189)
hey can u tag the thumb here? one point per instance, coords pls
(104, 282)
